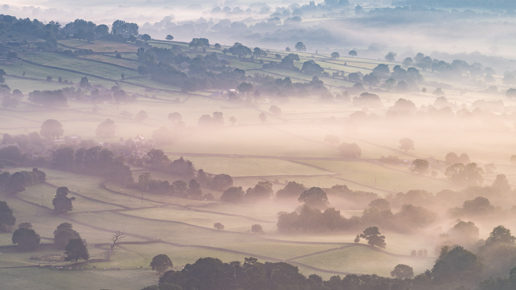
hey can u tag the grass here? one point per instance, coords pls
(46, 279)
(363, 260)
(248, 166)
(380, 177)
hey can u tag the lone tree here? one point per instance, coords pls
(314, 197)
(373, 237)
(256, 228)
(75, 250)
(106, 128)
(402, 271)
(352, 53)
(300, 46)
(161, 263)
(406, 144)
(7, 218)
(335, 55)
(26, 238)
(218, 226)
(391, 56)
(62, 203)
(420, 166)
(169, 37)
(117, 236)
(63, 234)
(51, 129)
(350, 150)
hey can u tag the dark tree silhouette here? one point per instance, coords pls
(62, 203)
(161, 263)
(51, 129)
(373, 237)
(75, 250)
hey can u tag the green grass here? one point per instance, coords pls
(46, 279)
(380, 177)
(240, 166)
(363, 260)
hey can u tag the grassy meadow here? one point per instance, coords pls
(288, 147)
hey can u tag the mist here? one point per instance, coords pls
(258, 145)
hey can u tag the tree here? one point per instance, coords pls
(407, 62)
(106, 128)
(62, 203)
(300, 46)
(373, 237)
(350, 150)
(311, 67)
(169, 37)
(117, 236)
(291, 190)
(239, 50)
(256, 228)
(314, 197)
(233, 194)
(406, 144)
(263, 117)
(420, 166)
(217, 46)
(402, 271)
(469, 174)
(7, 218)
(457, 264)
(218, 226)
(390, 56)
(51, 129)
(352, 53)
(335, 55)
(245, 88)
(63, 234)
(500, 235)
(27, 239)
(275, 110)
(75, 250)
(161, 263)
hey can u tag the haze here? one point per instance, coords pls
(257, 145)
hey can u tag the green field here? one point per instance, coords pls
(287, 147)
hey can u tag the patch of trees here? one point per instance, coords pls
(178, 188)
(55, 99)
(7, 219)
(455, 268)
(313, 220)
(279, 88)
(63, 234)
(16, 182)
(262, 191)
(96, 160)
(26, 238)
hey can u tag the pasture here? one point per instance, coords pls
(287, 147)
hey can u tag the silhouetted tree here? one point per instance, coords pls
(161, 263)
(75, 250)
(62, 203)
(373, 237)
